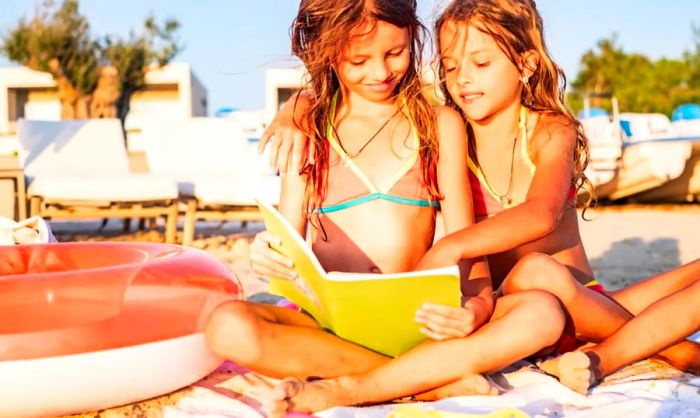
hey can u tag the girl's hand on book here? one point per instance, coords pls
(442, 322)
(266, 261)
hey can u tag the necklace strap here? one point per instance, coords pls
(505, 198)
(335, 144)
(525, 137)
(362, 148)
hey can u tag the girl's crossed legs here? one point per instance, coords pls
(595, 316)
(521, 325)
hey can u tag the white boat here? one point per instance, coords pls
(643, 156)
(685, 129)
(652, 155)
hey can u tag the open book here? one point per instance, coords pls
(374, 310)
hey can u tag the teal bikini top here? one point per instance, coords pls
(377, 196)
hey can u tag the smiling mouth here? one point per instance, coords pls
(471, 96)
(383, 85)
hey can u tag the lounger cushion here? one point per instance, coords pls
(237, 192)
(211, 159)
(130, 188)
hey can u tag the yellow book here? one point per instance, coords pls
(373, 310)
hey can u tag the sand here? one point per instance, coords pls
(627, 243)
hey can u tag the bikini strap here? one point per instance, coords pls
(522, 126)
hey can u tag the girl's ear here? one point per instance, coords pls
(529, 61)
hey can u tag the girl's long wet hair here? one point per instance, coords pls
(319, 33)
(516, 26)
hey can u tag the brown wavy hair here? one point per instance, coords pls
(319, 32)
(516, 26)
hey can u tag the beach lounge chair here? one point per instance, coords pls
(80, 169)
(218, 170)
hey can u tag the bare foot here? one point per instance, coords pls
(295, 395)
(250, 384)
(574, 370)
(473, 384)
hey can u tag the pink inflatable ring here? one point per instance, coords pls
(86, 326)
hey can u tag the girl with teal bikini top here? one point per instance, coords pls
(349, 187)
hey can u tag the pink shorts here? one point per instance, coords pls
(286, 303)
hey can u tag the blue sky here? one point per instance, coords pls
(229, 43)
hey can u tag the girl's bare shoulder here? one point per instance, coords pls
(550, 129)
(447, 115)
(451, 130)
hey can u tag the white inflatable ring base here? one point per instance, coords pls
(48, 387)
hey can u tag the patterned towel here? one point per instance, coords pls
(650, 388)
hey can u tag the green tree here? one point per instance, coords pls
(94, 77)
(58, 41)
(640, 84)
(692, 57)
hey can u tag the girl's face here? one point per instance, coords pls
(479, 76)
(375, 60)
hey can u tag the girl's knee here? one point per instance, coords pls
(527, 272)
(538, 271)
(233, 332)
(543, 314)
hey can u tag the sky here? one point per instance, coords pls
(229, 43)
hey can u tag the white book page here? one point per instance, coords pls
(349, 277)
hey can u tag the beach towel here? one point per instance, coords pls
(650, 388)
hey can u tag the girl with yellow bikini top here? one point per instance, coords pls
(495, 68)
(486, 199)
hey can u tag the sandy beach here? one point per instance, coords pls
(628, 243)
(623, 243)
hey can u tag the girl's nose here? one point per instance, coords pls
(380, 70)
(464, 76)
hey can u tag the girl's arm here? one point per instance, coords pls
(535, 218)
(457, 213)
(290, 146)
(292, 205)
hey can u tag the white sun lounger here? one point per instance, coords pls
(217, 168)
(80, 169)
